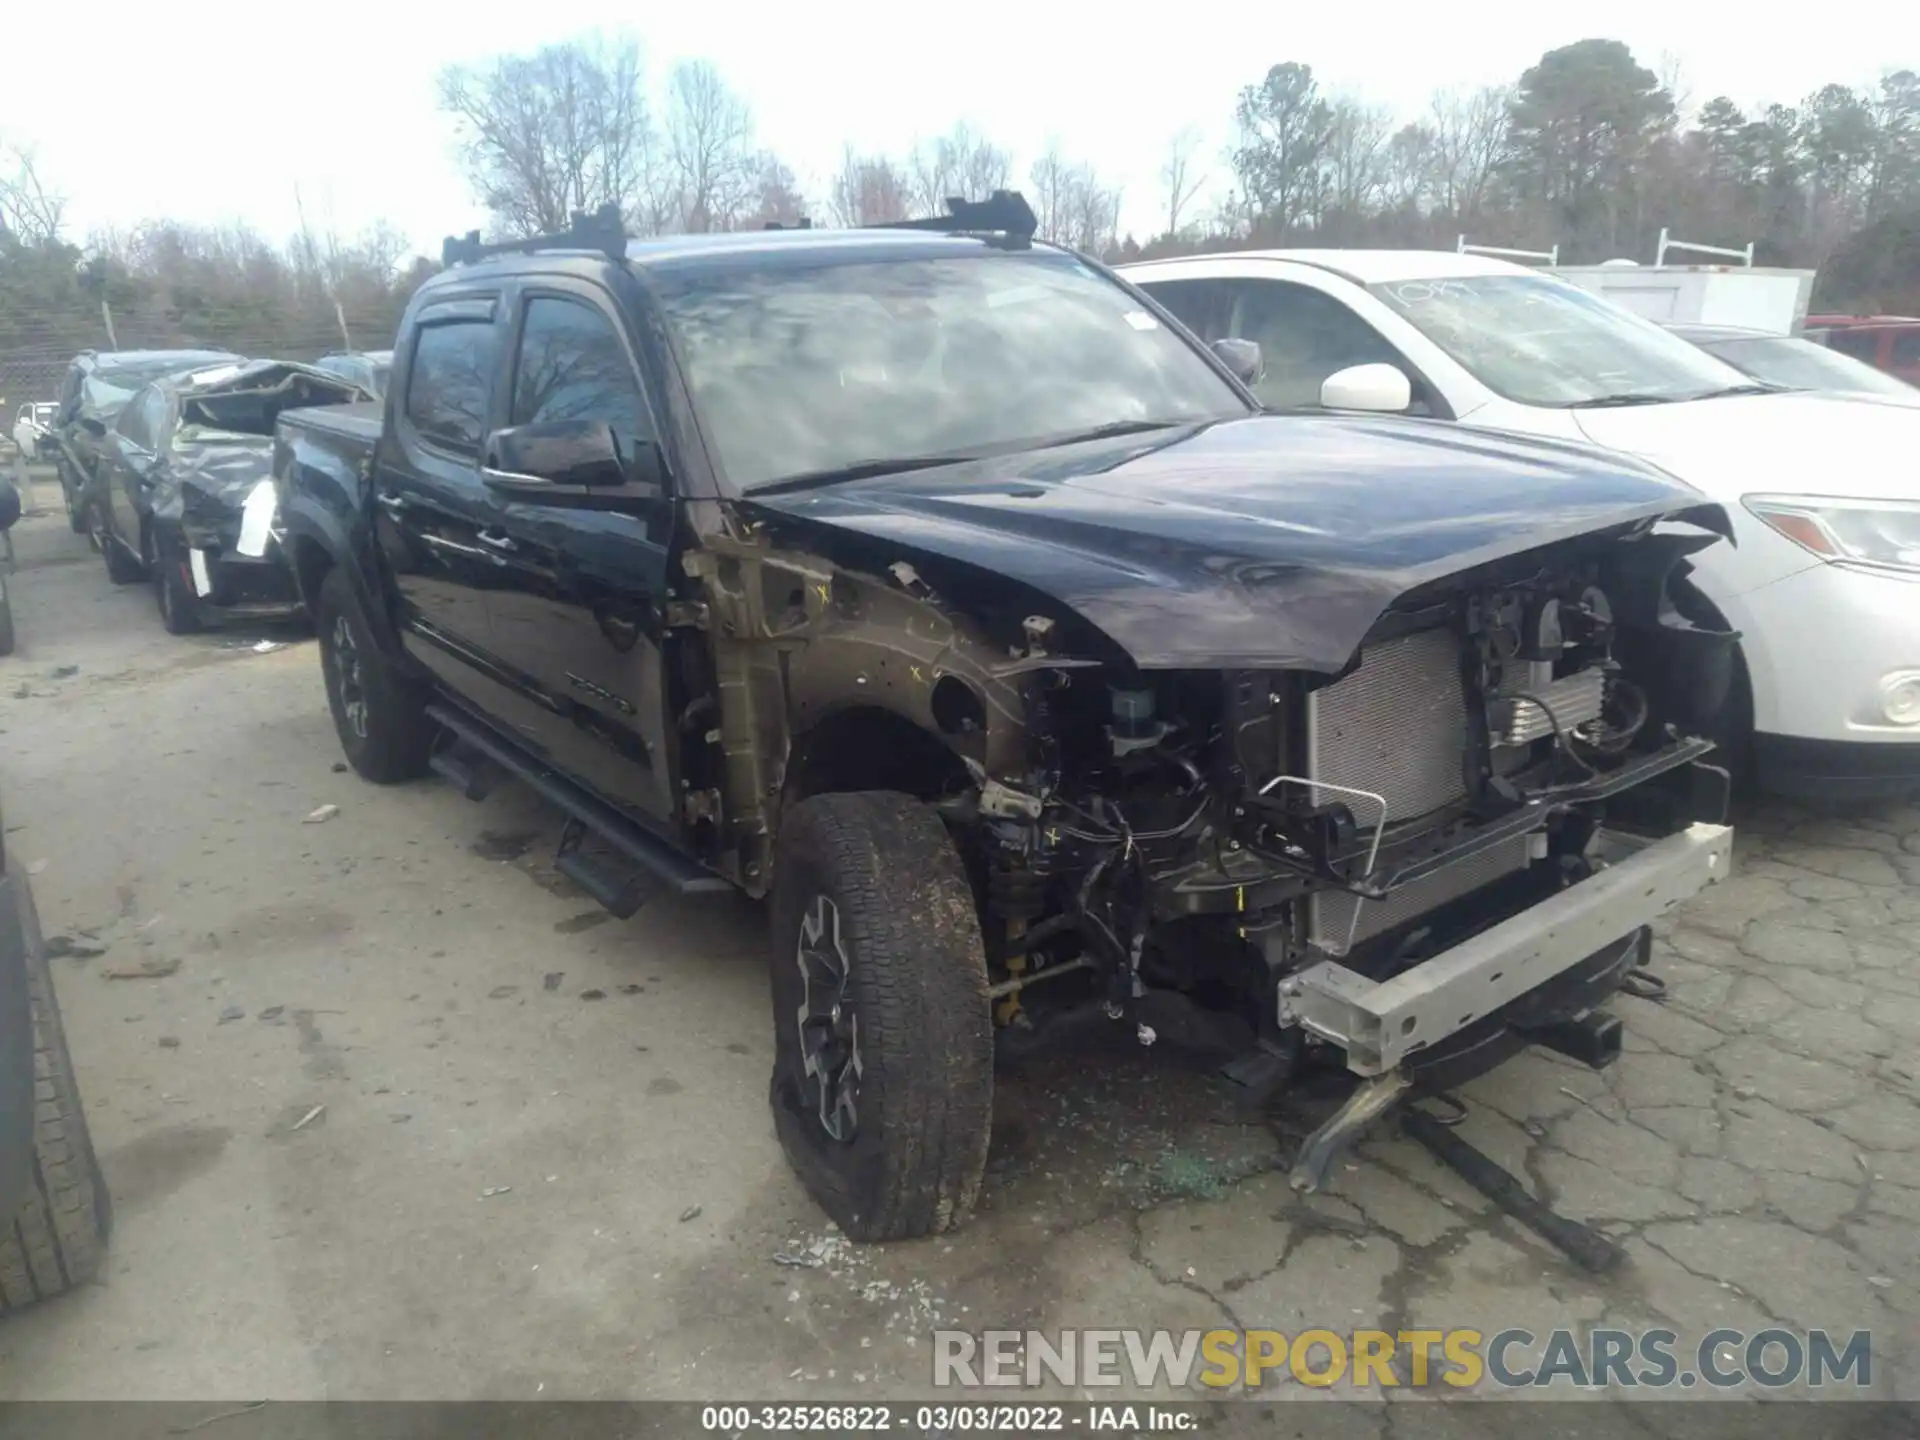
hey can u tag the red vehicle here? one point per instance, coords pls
(1886, 342)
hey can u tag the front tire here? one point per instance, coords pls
(173, 590)
(379, 714)
(76, 512)
(882, 1086)
(122, 568)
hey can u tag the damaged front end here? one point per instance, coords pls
(1447, 849)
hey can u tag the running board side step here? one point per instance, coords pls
(468, 770)
(660, 866)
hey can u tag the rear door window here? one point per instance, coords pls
(448, 385)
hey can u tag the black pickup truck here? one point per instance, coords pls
(939, 586)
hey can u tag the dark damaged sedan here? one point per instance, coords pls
(185, 496)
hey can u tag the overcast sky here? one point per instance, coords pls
(212, 112)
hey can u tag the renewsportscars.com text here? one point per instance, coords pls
(1384, 1359)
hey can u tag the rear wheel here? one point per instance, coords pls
(173, 588)
(380, 714)
(883, 1043)
(58, 1238)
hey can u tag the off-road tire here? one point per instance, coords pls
(917, 983)
(173, 592)
(6, 618)
(58, 1238)
(394, 736)
(122, 568)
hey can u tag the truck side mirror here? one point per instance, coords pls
(1242, 357)
(558, 458)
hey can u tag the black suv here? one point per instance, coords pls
(939, 586)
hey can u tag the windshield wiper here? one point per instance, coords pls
(1609, 402)
(858, 470)
(1108, 430)
(1753, 387)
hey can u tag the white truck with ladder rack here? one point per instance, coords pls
(1740, 293)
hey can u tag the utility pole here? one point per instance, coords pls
(106, 316)
(346, 340)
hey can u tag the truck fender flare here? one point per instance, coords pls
(309, 527)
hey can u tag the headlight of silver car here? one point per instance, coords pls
(1884, 533)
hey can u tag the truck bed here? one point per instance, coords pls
(358, 422)
(321, 459)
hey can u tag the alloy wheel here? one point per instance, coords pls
(828, 1023)
(346, 670)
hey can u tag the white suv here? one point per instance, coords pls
(1824, 579)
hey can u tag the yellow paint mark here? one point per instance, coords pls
(824, 591)
(914, 670)
(1240, 897)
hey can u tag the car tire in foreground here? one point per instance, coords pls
(6, 618)
(882, 1086)
(59, 1236)
(380, 714)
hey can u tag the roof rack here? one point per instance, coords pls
(601, 230)
(805, 222)
(1004, 212)
(1667, 242)
(1507, 252)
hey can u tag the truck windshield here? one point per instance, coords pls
(1540, 341)
(806, 371)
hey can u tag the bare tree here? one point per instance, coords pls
(709, 148)
(1356, 155)
(1071, 204)
(1093, 214)
(777, 197)
(960, 163)
(1179, 181)
(1051, 178)
(868, 190)
(1469, 142)
(29, 212)
(566, 128)
(1407, 172)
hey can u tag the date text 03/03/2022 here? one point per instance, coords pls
(951, 1418)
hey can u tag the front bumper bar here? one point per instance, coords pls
(1380, 1024)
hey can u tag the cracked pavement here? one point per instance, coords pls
(544, 1164)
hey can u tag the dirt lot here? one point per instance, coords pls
(412, 1118)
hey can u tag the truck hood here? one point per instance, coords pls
(1796, 442)
(1263, 542)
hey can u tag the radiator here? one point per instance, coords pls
(1397, 726)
